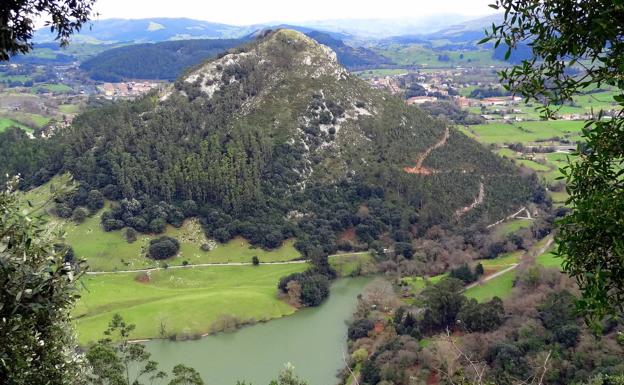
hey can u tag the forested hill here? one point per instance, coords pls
(276, 140)
(159, 61)
(167, 60)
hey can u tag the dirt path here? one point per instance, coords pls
(512, 216)
(194, 266)
(419, 169)
(478, 200)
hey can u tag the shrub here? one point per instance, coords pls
(360, 329)
(131, 235)
(157, 225)
(314, 289)
(112, 224)
(79, 214)
(163, 248)
(95, 200)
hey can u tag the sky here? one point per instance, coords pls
(242, 12)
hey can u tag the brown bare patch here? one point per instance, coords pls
(348, 235)
(142, 278)
(433, 378)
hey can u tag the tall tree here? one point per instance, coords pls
(37, 292)
(17, 22)
(578, 46)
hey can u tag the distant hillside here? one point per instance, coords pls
(167, 60)
(277, 140)
(159, 61)
(151, 30)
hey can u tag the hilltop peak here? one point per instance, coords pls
(278, 55)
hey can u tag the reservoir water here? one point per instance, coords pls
(313, 340)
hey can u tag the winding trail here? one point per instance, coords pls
(478, 200)
(419, 169)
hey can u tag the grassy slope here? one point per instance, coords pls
(187, 300)
(108, 251)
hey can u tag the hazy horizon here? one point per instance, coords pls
(280, 11)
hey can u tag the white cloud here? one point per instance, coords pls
(254, 11)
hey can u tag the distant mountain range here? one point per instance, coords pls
(161, 48)
(108, 31)
(152, 30)
(168, 59)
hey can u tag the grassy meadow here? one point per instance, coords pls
(109, 251)
(529, 132)
(186, 301)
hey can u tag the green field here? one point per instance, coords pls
(376, 72)
(498, 287)
(549, 259)
(52, 87)
(525, 132)
(187, 301)
(510, 227)
(502, 262)
(6, 123)
(69, 108)
(418, 55)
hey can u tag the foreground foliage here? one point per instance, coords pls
(37, 292)
(577, 46)
(125, 363)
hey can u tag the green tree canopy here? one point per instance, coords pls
(578, 46)
(17, 22)
(37, 292)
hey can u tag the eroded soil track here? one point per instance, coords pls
(418, 168)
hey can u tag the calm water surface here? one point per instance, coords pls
(313, 340)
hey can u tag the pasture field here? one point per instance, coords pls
(527, 132)
(502, 262)
(6, 123)
(181, 302)
(53, 87)
(417, 55)
(498, 287)
(367, 74)
(549, 259)
(510, 227)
